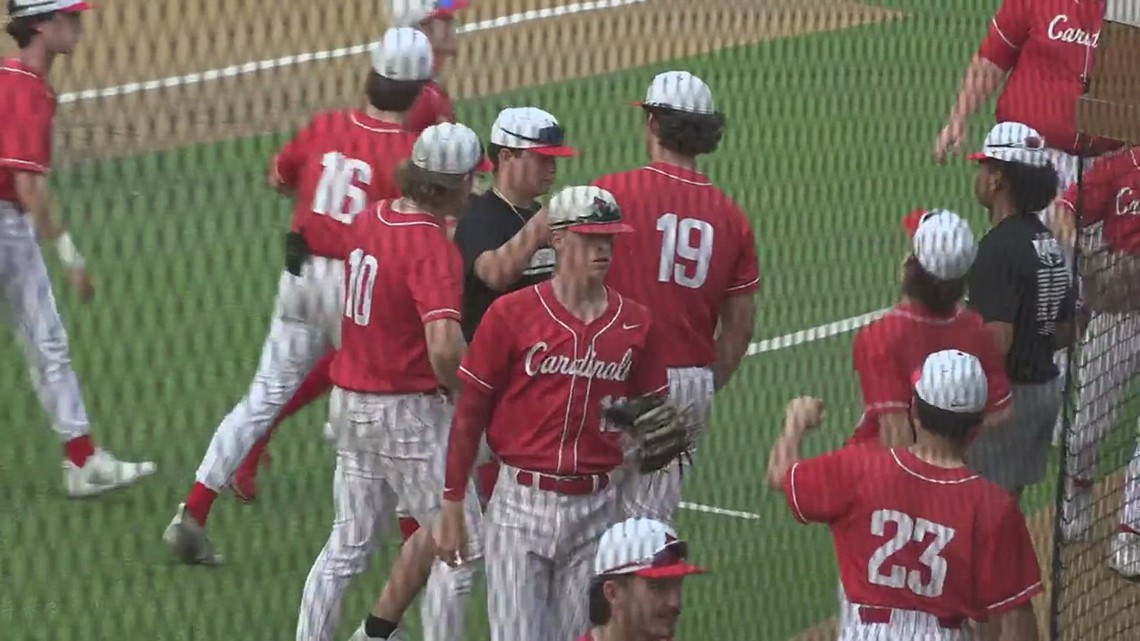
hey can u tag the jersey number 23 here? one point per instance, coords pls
(880, 570)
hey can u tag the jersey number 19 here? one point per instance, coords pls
(677, 242)
(909, 530)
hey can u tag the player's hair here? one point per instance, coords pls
(386, 94)
(953, 426)
(599, 608)
(24, 29)
(1031, 187)
(493, 153)
(939, 297)
(687, 133)
(430, 190)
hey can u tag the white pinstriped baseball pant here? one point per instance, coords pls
(658, 495)
(389, 448)
(540, 550)
(27, 300)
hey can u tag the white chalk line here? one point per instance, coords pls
(808, 335)
(330, 54)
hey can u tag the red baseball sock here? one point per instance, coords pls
(1128, 529)
(79, 449)
(408, 527)
(315, 385)
(488, 474)
(199, 502)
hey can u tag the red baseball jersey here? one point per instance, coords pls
(1048, 48)
(28, 104)
(552, 375)
(890, 350)
(702, 245)
(401, 272)
(913, 536)
(340, 163)
(431, 108)
(1111, 198)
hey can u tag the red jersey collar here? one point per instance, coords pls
(931, 473)
(15, 64)
(361, 118)
(563, 316)
(914, 310)
(395, 218)
(679, 173)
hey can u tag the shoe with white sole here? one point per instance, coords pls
(188, 541)
(1076, 512)
(361, 635)
(102, 473)
(1125, 558)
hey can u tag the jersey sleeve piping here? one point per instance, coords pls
(25, 165)
(1003, 401)
(468, 374)
(889, 405)
(744, 287)
(442, 313)
(1016, 600)
(790, 490)
(997, 29)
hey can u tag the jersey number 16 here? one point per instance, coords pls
(909, 530)
(677, 242)
(338, 194)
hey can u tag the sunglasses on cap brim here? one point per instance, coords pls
(604, 217)
(550, 141)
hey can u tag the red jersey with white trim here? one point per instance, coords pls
(890, 350)
(552, 375)
(341, 162)
(1048, 47)
(691, 248)
(401, 272)
(1111, 198)
(431, 108)
(913, 536)
(28, 104)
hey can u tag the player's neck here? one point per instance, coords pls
(937, 451)
(394, 117)
(583, 296)
(663, 155)
(1001, 209)
(517, 198)
(37, 58)
(614, 631)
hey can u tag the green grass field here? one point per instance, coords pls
(828, 147)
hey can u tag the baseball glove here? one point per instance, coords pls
(659, 432)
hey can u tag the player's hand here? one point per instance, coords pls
(540, 223)
(451, 535)
(79, 281)
(949, 139)
(803, 414)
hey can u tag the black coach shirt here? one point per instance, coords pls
(1020, 277)
(488, 223)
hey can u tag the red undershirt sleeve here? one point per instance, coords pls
(472, 414)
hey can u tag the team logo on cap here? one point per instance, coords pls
(1033, 142)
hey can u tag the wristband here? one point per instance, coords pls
(68, 253)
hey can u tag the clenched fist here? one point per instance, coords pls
(803, 414)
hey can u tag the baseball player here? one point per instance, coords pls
(333, 168)
(390, 409)
(436, 20)
(928, 318)
(44, 29)
(927, 548)
(707, 272)
(635, 593)
(546, 361)
(1110, 356)
(1040, 55)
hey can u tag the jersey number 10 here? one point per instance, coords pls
(338, 194)
(677, 242)
(909, 530)
(361, 280)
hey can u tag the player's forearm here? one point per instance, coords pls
(736, 331)
(982, 80)
(1002, 333)
(32, 191)
(472, 414)
(500, 268)
(785, 454)
(1019, 624)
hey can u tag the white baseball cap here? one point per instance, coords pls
(409, 13)
(586, 210)
(530, 128)
(942, 242)
(1014, 142)
(680, 91)
(449, 148)
(403, 54)
(953, 381)
(24, 8)
(645, 548)
(1125, 11)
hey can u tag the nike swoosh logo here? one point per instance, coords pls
(624, 326)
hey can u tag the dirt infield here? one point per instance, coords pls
(175, 39)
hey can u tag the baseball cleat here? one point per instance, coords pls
(1125, 558)
(361, 635)
(1076, 512)
(102, 473)
(188, 541)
